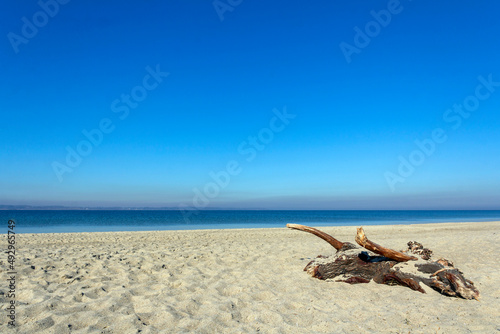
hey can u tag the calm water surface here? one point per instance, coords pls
(45, 221)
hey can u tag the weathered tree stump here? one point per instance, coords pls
(409, 268)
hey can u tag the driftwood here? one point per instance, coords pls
(409, 268)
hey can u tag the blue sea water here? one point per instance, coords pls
(54, 221)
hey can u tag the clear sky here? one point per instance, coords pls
(251, 104)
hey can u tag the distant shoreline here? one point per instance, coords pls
(148, 208)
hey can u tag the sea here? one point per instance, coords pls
(64, 221)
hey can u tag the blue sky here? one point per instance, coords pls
(267, 89)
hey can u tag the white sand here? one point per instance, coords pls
(248, 281)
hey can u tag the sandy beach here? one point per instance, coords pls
(240, 281)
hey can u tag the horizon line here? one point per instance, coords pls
(167, 208)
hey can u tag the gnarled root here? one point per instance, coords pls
(351, 265)
(363, 241)
(328, 238)
(451, 282)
